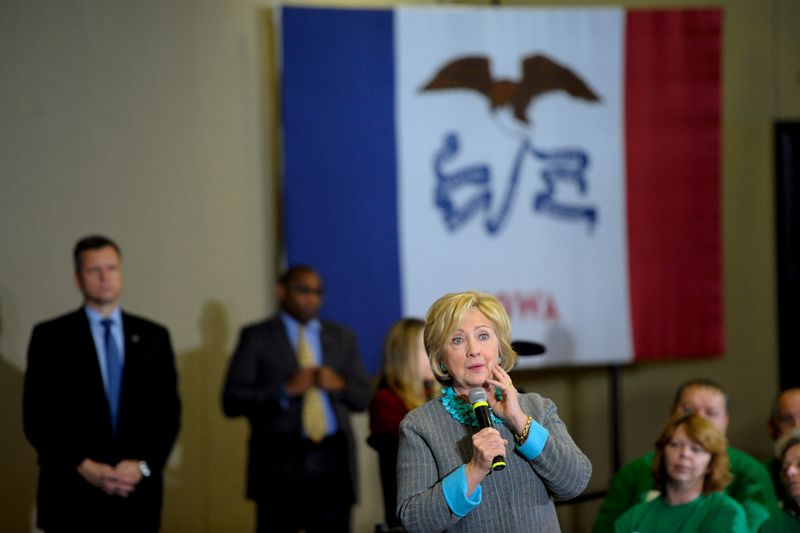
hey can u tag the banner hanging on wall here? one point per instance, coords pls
(565, 160)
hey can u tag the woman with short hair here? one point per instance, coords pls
(445, 470)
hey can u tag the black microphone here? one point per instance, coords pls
(477, 397)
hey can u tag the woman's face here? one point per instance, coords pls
(791, 472)
(470, 353)
(686, 461)
(425, 371)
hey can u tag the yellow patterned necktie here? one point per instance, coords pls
(314, 422)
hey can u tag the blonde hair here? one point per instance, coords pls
(400, 364)
(446, 315)
(707, 435)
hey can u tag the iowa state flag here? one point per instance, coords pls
(565, 160)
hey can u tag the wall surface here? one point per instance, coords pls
(154, 122)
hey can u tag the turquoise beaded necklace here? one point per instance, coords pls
(461, 410)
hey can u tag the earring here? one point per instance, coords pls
(499, 359)
(442, 367)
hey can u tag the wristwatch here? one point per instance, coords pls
(144, 469)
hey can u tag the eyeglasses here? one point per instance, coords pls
(305, 289)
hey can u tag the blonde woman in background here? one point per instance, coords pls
(405, 382)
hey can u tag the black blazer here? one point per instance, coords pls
(67, 419)
(263, 362)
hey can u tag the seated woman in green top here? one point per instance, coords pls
(690, 469)
(787, 450)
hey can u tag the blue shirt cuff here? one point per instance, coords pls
(454, 487)
(534, 444)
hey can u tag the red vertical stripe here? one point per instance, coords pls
(672, 123)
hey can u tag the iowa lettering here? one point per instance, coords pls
(538, 305)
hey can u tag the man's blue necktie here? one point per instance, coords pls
(113, 370)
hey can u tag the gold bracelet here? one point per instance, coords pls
(524, 435)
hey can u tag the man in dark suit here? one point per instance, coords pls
(100, 406)
(297, 379)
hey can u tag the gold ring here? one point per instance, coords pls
(508, 384)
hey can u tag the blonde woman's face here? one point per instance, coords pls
(470, 352)
(425, 370)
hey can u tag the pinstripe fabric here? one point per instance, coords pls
(517, 499)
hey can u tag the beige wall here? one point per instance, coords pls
(152, 121)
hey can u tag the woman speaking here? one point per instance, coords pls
(444, 466)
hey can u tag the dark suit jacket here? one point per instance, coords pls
(263, 362)
(67, 419)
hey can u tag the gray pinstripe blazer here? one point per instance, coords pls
(516, 499)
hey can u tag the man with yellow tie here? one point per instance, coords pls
(297, 378)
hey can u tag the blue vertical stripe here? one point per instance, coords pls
(339, 179)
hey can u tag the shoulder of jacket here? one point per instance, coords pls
(430, 410)
(329, 326)
(273, 322)
(133, 320)
(537, 403)
(67, 319)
